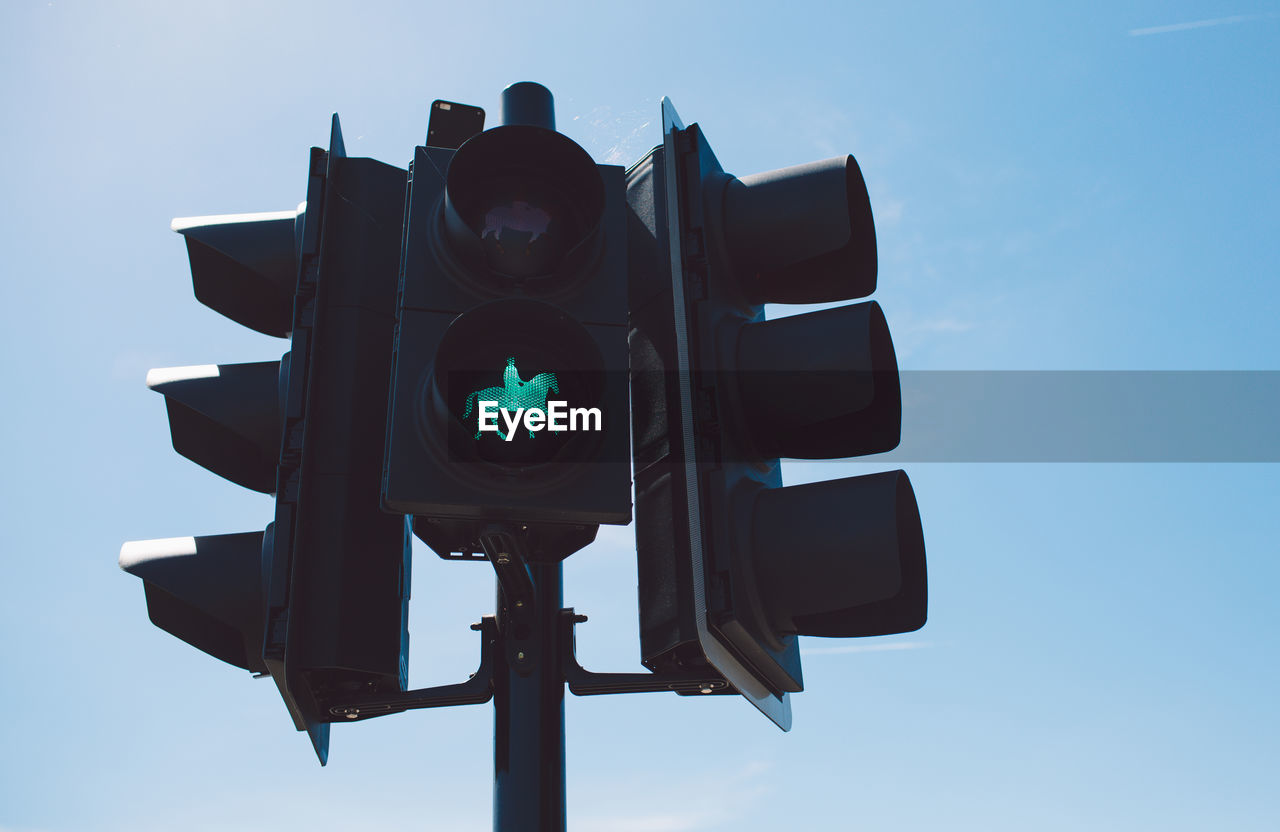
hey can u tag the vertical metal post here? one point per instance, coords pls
(528, 712)
(528, 697)
(527, 102)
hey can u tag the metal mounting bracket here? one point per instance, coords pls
(475, 691)
(584, 682)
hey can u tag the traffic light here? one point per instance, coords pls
(320, 599)
(509, 400)
(732, 565)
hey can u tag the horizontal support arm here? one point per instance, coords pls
(475, 691)
(586, 683)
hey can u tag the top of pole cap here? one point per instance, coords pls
(528, 102)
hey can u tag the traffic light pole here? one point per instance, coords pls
(528, 694)
(533, 660)
(528, 709)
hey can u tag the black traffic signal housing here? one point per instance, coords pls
(732, 565)
(320, 599)
(512, 296)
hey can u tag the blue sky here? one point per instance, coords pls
(1081, 188)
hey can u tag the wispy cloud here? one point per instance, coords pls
(131, 365)
(706, 803)
(889, 211)
(654, 823)
(865, 648)
(912, 334)
(1201, 24)
(944, 324)
(618, 138)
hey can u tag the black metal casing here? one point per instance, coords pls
(320, 599)
(733, 566)
(453, 305)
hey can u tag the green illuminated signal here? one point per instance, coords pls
(515, 395)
